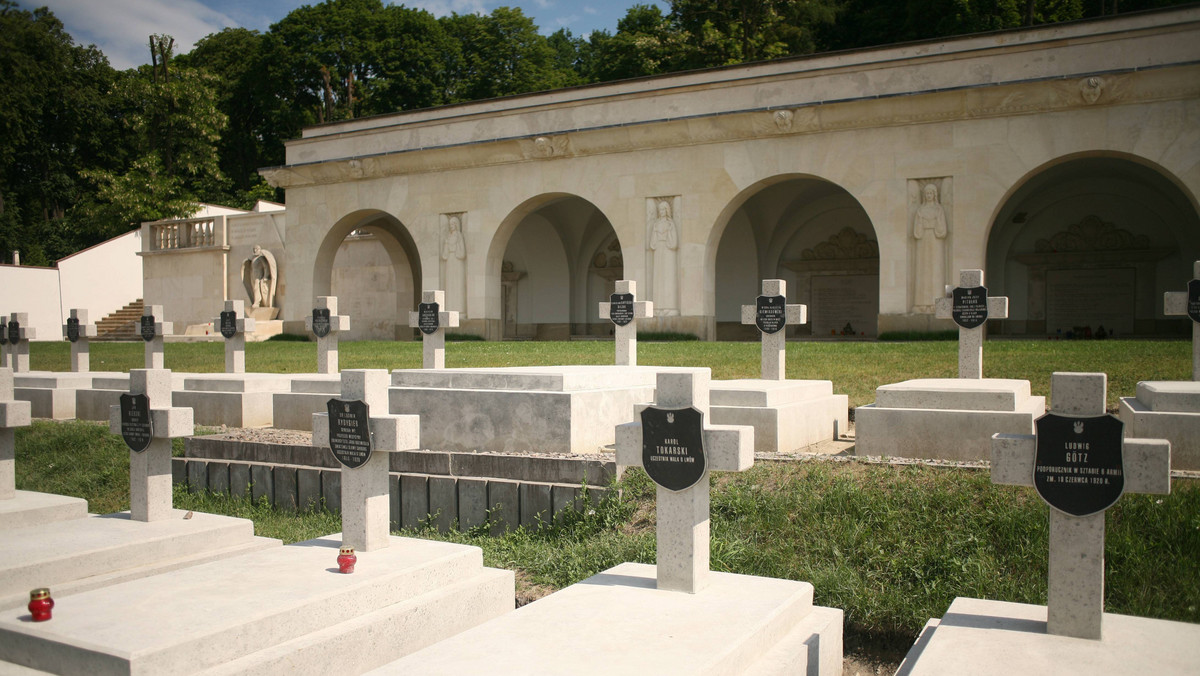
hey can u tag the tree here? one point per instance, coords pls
(500, 54)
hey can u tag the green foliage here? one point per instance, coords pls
(666, 337)
(288, 338)
(951, 334)
(463, 337)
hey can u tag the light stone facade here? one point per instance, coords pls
(1062, 156)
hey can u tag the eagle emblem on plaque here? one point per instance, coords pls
(349, 431)
(228, 323)
(320, 322)
(73, 329)
(970, 308)
(1079, 467)
(137, 427)
(1193, 300)
(673, 447)
(770, 313)
(427, 318)
(147, 328)
(620, 308)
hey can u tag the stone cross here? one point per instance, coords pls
(5, 362)
(366, 501)
(18, 341)
(683, 516)
(433, 345)
(154, 347)
(12, 414)
(327, 345)
(970, 341)
(626, 335)
(234, 320)
(83, 329)
(150, 470)
(1176, 303)
(1075, 603)
(774, 344)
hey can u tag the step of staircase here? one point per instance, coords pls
(122, 324)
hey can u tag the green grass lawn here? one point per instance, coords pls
(856, 368)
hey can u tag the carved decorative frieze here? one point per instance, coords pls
(1092, 234)
(848, 244)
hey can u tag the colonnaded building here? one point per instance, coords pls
(1062, 160)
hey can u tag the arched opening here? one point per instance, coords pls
(370, 262)
(1086, 247)
(811, 233)
(560, 258)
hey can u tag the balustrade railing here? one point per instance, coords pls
(185, 233)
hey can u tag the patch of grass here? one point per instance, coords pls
(288, 338)
(268, 521)
(463, 337)
(910, 336)
(666, 337)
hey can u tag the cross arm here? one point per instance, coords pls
(448, 319)
(997, 307)
(729, 447)
(1175, 303)
(85, 331)
(797, 314)
(1148, 466)
(943, 308)
(167, 423)
(748, 313)
(15, 413)
(1012, 459)
(388, 433)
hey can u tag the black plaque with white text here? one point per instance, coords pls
(1193, 300)
(3, 331)
(673, 446)
(147, 328)
(349, 432)
(320, 322)
(228, 323)
(14, 331)
(73, 329)
(137, 427)
(427, 318)
(770, 313)
(970, 308)
(620, 308)
(1079, 468)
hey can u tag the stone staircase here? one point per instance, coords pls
(124, 324)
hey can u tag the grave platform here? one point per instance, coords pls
(52, 394)
(30, 509)
(1167, 410)
(233, 399)
(738, 624)
(294, 408)
(786, 415)
(80, 554)
(286, 610)
(548, 409)
(944, 418)
(96, 402)
(987, 638)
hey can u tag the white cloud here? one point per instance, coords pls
(566, 21)
(446, 7)
(121, 28)
(588, 9)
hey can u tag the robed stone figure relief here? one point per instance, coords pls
(454, 262)
(929, 231)
(662, 240)
(259, 275)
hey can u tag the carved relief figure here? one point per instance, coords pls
(929, 230)
(454, 268)
(259, 275)
(662, 239)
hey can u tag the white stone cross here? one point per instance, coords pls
(774, 345)
(1075, 599)
(366, 502)
(327, 346)
(150, 470)
(5, 362)
(80, 359)
(433, 345)
(19, 349)
(235, 345)
(1174, 304)
(683, 516)
(626, 336)
(12, 414)
(970, 341)
(154, 346)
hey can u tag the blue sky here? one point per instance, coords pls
(121, 27)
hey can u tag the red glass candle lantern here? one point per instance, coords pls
(40, 604)
(346, 560)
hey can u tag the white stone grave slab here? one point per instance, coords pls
(787, 415)
(433, 338)
(294, 409)
(628, 311)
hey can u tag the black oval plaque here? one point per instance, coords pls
(427, 318)
(3, 331)
(147, 328)
(14, 331)
(673, 446)
(73, 329)
(137, 427)
(1193, 301)
(770, 314)
(320, 322)
(349, 432)
(228, 323)
(620, 308)
(970, 306)
(1079, 468)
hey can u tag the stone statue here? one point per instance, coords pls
(454, 255)
(259, 275)
(662, 239)
(929, 230)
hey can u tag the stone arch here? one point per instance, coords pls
(809, 231)
(544, 256)
(1092, 239)
(355, 259)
